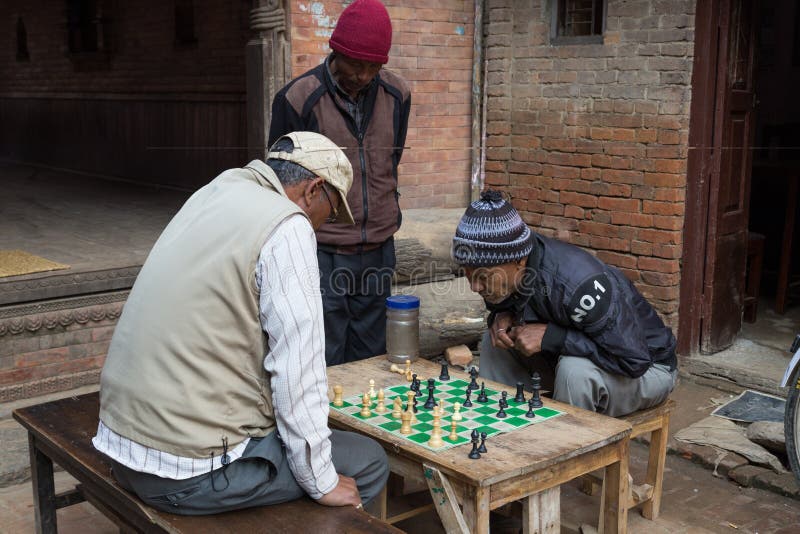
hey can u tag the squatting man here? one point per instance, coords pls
(559, 311)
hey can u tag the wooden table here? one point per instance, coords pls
(526, 465)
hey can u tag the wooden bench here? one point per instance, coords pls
(61, 432)
(656, 422)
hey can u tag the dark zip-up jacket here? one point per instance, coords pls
(591, 309)
(309, 103)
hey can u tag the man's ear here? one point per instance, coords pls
(310, 188)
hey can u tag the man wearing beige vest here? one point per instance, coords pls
(213, 396)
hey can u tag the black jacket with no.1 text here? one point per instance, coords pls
(591, 309)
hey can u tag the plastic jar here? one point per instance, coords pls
(402, 328)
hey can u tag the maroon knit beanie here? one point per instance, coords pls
(364, 32)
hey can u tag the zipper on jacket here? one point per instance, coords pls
(363, 186)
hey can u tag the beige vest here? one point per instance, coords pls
(185, 367)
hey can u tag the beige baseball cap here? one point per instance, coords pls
(324, 158)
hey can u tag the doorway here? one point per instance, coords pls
(744, 164)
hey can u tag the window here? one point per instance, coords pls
(87, 26)
(577, 21)
(22, 41)
(184, 23)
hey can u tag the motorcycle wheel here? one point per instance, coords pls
(792, 423)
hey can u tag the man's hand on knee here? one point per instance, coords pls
(345, 493)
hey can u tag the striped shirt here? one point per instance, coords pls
(287, 277)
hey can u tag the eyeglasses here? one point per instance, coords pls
(334, 214)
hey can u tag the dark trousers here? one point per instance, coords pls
(260, 477)
(354, 290)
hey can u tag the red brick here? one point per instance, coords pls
(630, 205)
(659, 236)
(632, 219)
(660, 179)
(641, 248)
(617, 259)
(658, 265)
(577, 199)
(622, 176)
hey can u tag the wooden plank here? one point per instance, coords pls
(566, 437)
(444, 499)
(541, 512)
(68, 498)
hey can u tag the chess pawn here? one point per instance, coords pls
(381, 407)
(371, 388)
(397, 408)
(482, 448)
(405, 428)
(365, 404)
(456, 411)
(337, 395)
(453, 434)
(396, 369)
(409, 375)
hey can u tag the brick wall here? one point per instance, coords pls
(143, 114)
(47, 352)
(145, 58)
(591, 140)
(432, 48)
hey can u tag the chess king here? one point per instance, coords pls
(559, 311)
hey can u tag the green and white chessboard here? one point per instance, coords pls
(481, 416)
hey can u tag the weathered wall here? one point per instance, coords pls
(432, 48)
(591, 140)
(154, 111)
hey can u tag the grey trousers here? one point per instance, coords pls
(260, 477)
(579, 382)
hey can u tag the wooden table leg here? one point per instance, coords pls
(615, 494)
(44, 489)
(541, 512)
(655, 468)
(476, 510)
(444, 498)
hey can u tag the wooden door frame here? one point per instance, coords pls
(704, 113)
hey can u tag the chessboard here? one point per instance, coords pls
(482, 416)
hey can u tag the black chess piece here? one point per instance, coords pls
(474, 454)
(473, 373)
(482, 448)
(444, 376)
(415, 405)
(530, 413)
(474, 434)
(431, 402)
(467, 402)
(520, 396)
(504, 399)
(502, 413)
(536, 383)
(482, 397)
(417, 385)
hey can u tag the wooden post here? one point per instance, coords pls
(44, 490)
(268, 66)
(541, 512)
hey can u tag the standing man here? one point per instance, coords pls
(364, 110)
(214, 394)
(558, 310)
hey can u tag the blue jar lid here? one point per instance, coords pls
(402, 302)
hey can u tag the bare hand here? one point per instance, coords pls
(499, 330)
(345, 492)
(528, 338)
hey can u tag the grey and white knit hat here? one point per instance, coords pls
(491, 232)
